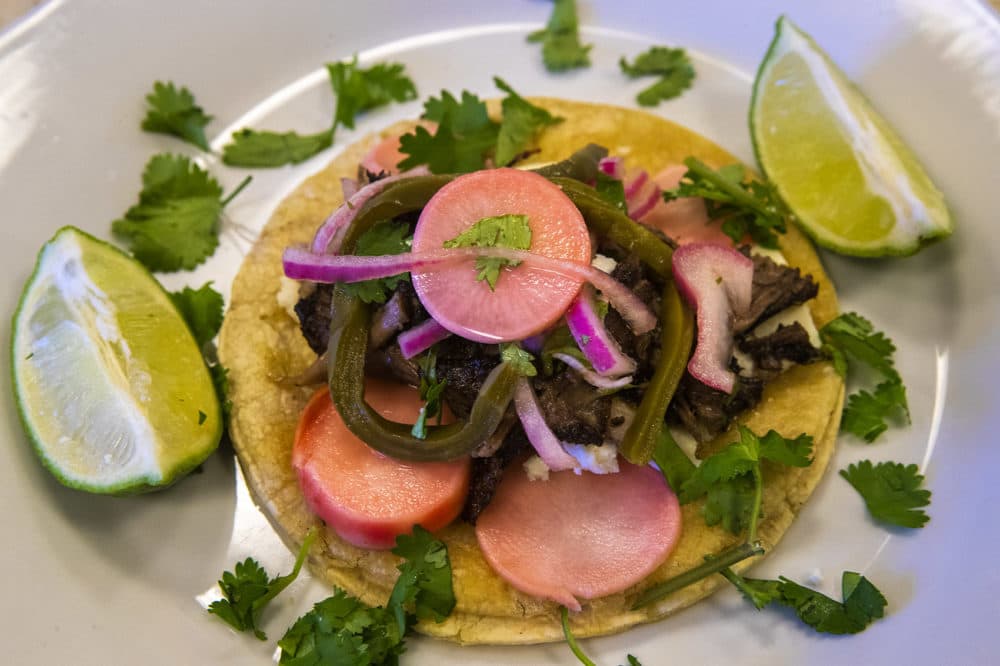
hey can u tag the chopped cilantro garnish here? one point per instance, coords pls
(521, 122)
(343, 630)
(357, 90)
(175, 225)
(384, 237)
(862, 602)
(465, 136)
(263, 148)
(852, 336)
(172, 111)
(611, 190)
(431, 389)
(744, 208)
(731, 479)
(202, 311)
(521, 359)
(510, 231)
(674, 464)
(672, 66)
(561, 47)
(247, 589)
(891, 491)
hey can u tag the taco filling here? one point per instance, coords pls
(504, 351)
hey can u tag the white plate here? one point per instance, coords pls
(94, 580)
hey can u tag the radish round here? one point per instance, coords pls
(527, 300)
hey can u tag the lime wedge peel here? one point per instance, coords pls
(109, 382)
(849, 178)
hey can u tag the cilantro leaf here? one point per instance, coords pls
(674, 464)
(263, 148)
(175, 225)
(672, 66)
(752, 208)
(521, 122)
(611, 190)
(731, 479)
(891, 491)
(851, 336)
(247, 590)
(633, 661)
(202, 310)
(561, 47)
(384, 237)
(464, 137)
(511, 231)
(431, 390)
(521, 359)
(343, 630)
(172, 111)
(559, 341)
(862, 602)
(359, 90)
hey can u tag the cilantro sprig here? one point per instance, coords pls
(511, 231)
(561, 47)
(175, 225)
(466, 138)
(202, 311)
(852, 337)
(357, 90)
(578, 652)
(520, 359)
(174, 111)
(891, 491)
(247, 590)
(672, 66)
(431, 391)
(743, 207)
(343, 630)
(862, 602)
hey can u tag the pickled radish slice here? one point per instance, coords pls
(527, 300)
(579, 536)
(366, 497)
(384, 157)
(685, 220)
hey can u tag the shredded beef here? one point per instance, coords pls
(641, 348)
(389, 363)
(787, 343)
(574, 410)
(775, 287)
(706, 412)
(314, 317)
(464, 365)
(487, 472)
(394, 315)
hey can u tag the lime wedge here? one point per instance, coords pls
(848, 177)
(110, 384)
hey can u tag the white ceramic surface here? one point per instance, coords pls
(95, 580)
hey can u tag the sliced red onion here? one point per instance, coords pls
(717, 282)
(421, 337)
(534, 343)
(590, 376)
(643, 200)
(546, 444)
(330, 234)
(612, 166)
(301, 264)
(635, 182)
(594, 339)
(349, 186)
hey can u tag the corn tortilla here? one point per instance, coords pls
(261, 346)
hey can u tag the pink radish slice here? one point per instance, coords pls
(368, 498)
(385, 156)
(527, 300)
(685, 220)
(579, 536)
(717, 282)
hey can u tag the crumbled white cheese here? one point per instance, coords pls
(536, 469)
(593, 458)
(603, 263)
(288, 295)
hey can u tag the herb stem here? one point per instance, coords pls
(584, 659)
(732, 189)
(758, 499)
(715, 565)
(239, 188)
(281, 583)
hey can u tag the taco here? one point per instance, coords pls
(262, 346)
